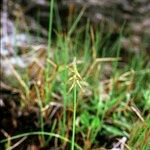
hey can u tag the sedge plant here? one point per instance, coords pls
(76, 79)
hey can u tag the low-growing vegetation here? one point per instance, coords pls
(89, 94)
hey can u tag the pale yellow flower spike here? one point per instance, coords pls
(75, 78)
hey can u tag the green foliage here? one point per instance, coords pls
(97, 93)
(85, 119)
(112, 130)
(140, 135)
(146, 96)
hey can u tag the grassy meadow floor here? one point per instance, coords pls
(89, 95)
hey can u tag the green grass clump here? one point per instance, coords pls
(102, 97)
(140, 135)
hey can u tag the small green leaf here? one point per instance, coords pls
(85, 118)
(95, 123)
(113, 130)
(146, 95)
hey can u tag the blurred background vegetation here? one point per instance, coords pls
(75, 74)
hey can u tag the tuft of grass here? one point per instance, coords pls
(140, 135)
(114, 102)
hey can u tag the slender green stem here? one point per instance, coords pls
(41, 133)
(41, 107)
(48, 50)
(74, 117)
(76, 22)
(65, 99)
(65, 78)
(50, 26)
